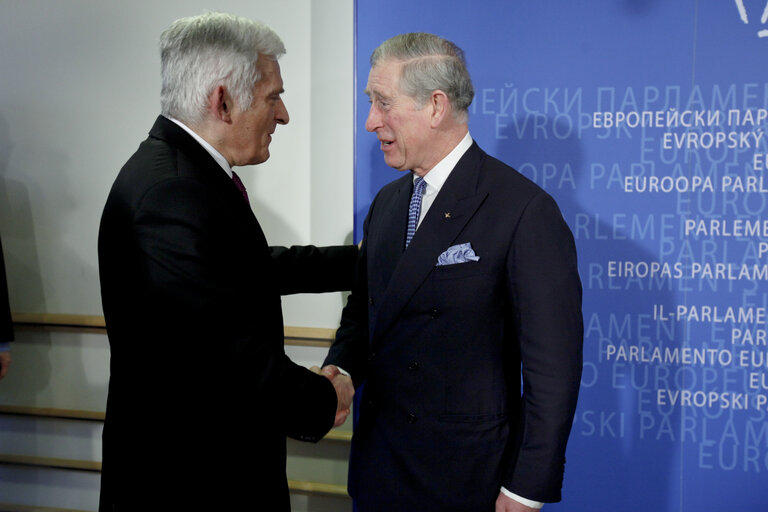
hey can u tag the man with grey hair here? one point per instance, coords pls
(201, 393)
(467, 285)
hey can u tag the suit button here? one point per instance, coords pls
(372, 356)
(435, 313)
(413, 366)
(370, 301)
(412, 418)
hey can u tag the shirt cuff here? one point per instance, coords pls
(520, 499)
(5, 346)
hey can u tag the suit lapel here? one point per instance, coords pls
(453, 207)
(388, 237)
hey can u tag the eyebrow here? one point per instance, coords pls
(377, 95)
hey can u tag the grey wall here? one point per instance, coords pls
(79, 86)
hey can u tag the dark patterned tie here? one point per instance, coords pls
(240, 186)
(414, 209)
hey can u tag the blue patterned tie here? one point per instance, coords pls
(414, 209)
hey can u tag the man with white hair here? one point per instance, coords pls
(201, 393)
(467, 285)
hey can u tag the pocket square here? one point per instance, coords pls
(461, 253)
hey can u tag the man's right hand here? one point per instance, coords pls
(345, 391)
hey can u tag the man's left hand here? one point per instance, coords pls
(506, 504)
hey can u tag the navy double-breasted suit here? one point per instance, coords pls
(442, 421)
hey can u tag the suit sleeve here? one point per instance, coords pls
(350, 348)
(310, 269)
(206, 292)
(545, 291)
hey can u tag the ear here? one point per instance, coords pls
(220, 104)
(441, 107)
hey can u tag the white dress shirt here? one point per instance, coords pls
(436, 176)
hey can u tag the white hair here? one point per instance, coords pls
(199, 53)
(430, 63)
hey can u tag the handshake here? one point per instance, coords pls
(344, 391)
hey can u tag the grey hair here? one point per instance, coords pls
(430, 63)
(199, 53)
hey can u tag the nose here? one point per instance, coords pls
(373, 121)
(281, 113)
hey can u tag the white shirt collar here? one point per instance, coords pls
(210, 149)
(440, 172)
(436, 176)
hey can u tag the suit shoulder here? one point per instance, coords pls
(502, 177)
(514, 193)
(154, 163)
(154, 160)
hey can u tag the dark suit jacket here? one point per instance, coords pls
(442, 423)
(201, 393)
(6, 324)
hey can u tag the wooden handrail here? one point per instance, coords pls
(344, 436)
(76, 414)
(299, 486)
(297, 336)
(50, 462)
(47, 412)
(56, 320)
(302, 487)
(11, 507)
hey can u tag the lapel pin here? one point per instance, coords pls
(447, 215)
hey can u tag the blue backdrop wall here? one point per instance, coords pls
(646, 120)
